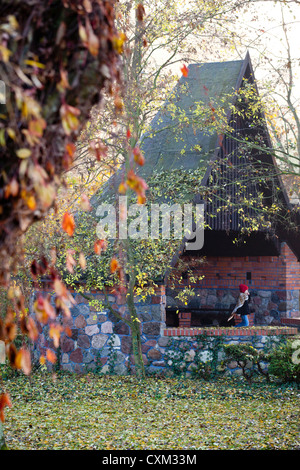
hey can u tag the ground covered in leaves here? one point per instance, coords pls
(108, 412)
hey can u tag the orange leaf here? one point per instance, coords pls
(29, 328)
(69, 119)
(70, 262)
(4, 401)
(60, 289)
(30, 201)
(36, 127)
(68, 223)
(23, 361)
(54, 333)
(99, 246)
(118, 42)
(43, 310)
(114, 265)
(82, 261)
(138, 156)
(92, 40)
(70, 148)
(51, 356)
(42, 360)
(68, 331)
(122, 188)
(184, 70)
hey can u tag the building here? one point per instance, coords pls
(212, 133)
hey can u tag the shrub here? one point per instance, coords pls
(282, 363)
(247, 358)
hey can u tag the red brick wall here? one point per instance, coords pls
(267, 272)
(274, 279)
(292, 268)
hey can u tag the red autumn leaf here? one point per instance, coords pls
(4, 401)
(98, 149)
(128, 134)
(99, 246)
(68, 223)
(184, 70)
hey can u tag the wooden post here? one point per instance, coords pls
(2, 352)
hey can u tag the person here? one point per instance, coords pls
(242, 306)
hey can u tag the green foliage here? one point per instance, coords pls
(199, 358)
(283, 364)
(247, 358)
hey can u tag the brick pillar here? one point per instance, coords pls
(185, 319)
(292, 282)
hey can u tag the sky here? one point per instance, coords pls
(262, 30)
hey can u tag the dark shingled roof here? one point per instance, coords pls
(169, 144)
(172, 145)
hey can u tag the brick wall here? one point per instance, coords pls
(274, 282)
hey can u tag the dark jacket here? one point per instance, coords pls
(244, 309)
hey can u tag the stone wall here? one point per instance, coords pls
(101, 341)
(183, 353)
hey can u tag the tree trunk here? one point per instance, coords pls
(137, 351)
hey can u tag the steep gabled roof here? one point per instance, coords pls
(173, 143)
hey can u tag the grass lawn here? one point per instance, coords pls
(109, 412)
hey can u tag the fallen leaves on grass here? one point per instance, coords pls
(109, 412)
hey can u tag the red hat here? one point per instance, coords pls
(243, 288)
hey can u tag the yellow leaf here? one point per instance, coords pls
(118, 42)
(23, 153)
(31, 202)
(5, 53)
(11, 133)
(42, 360)
(35, 64)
